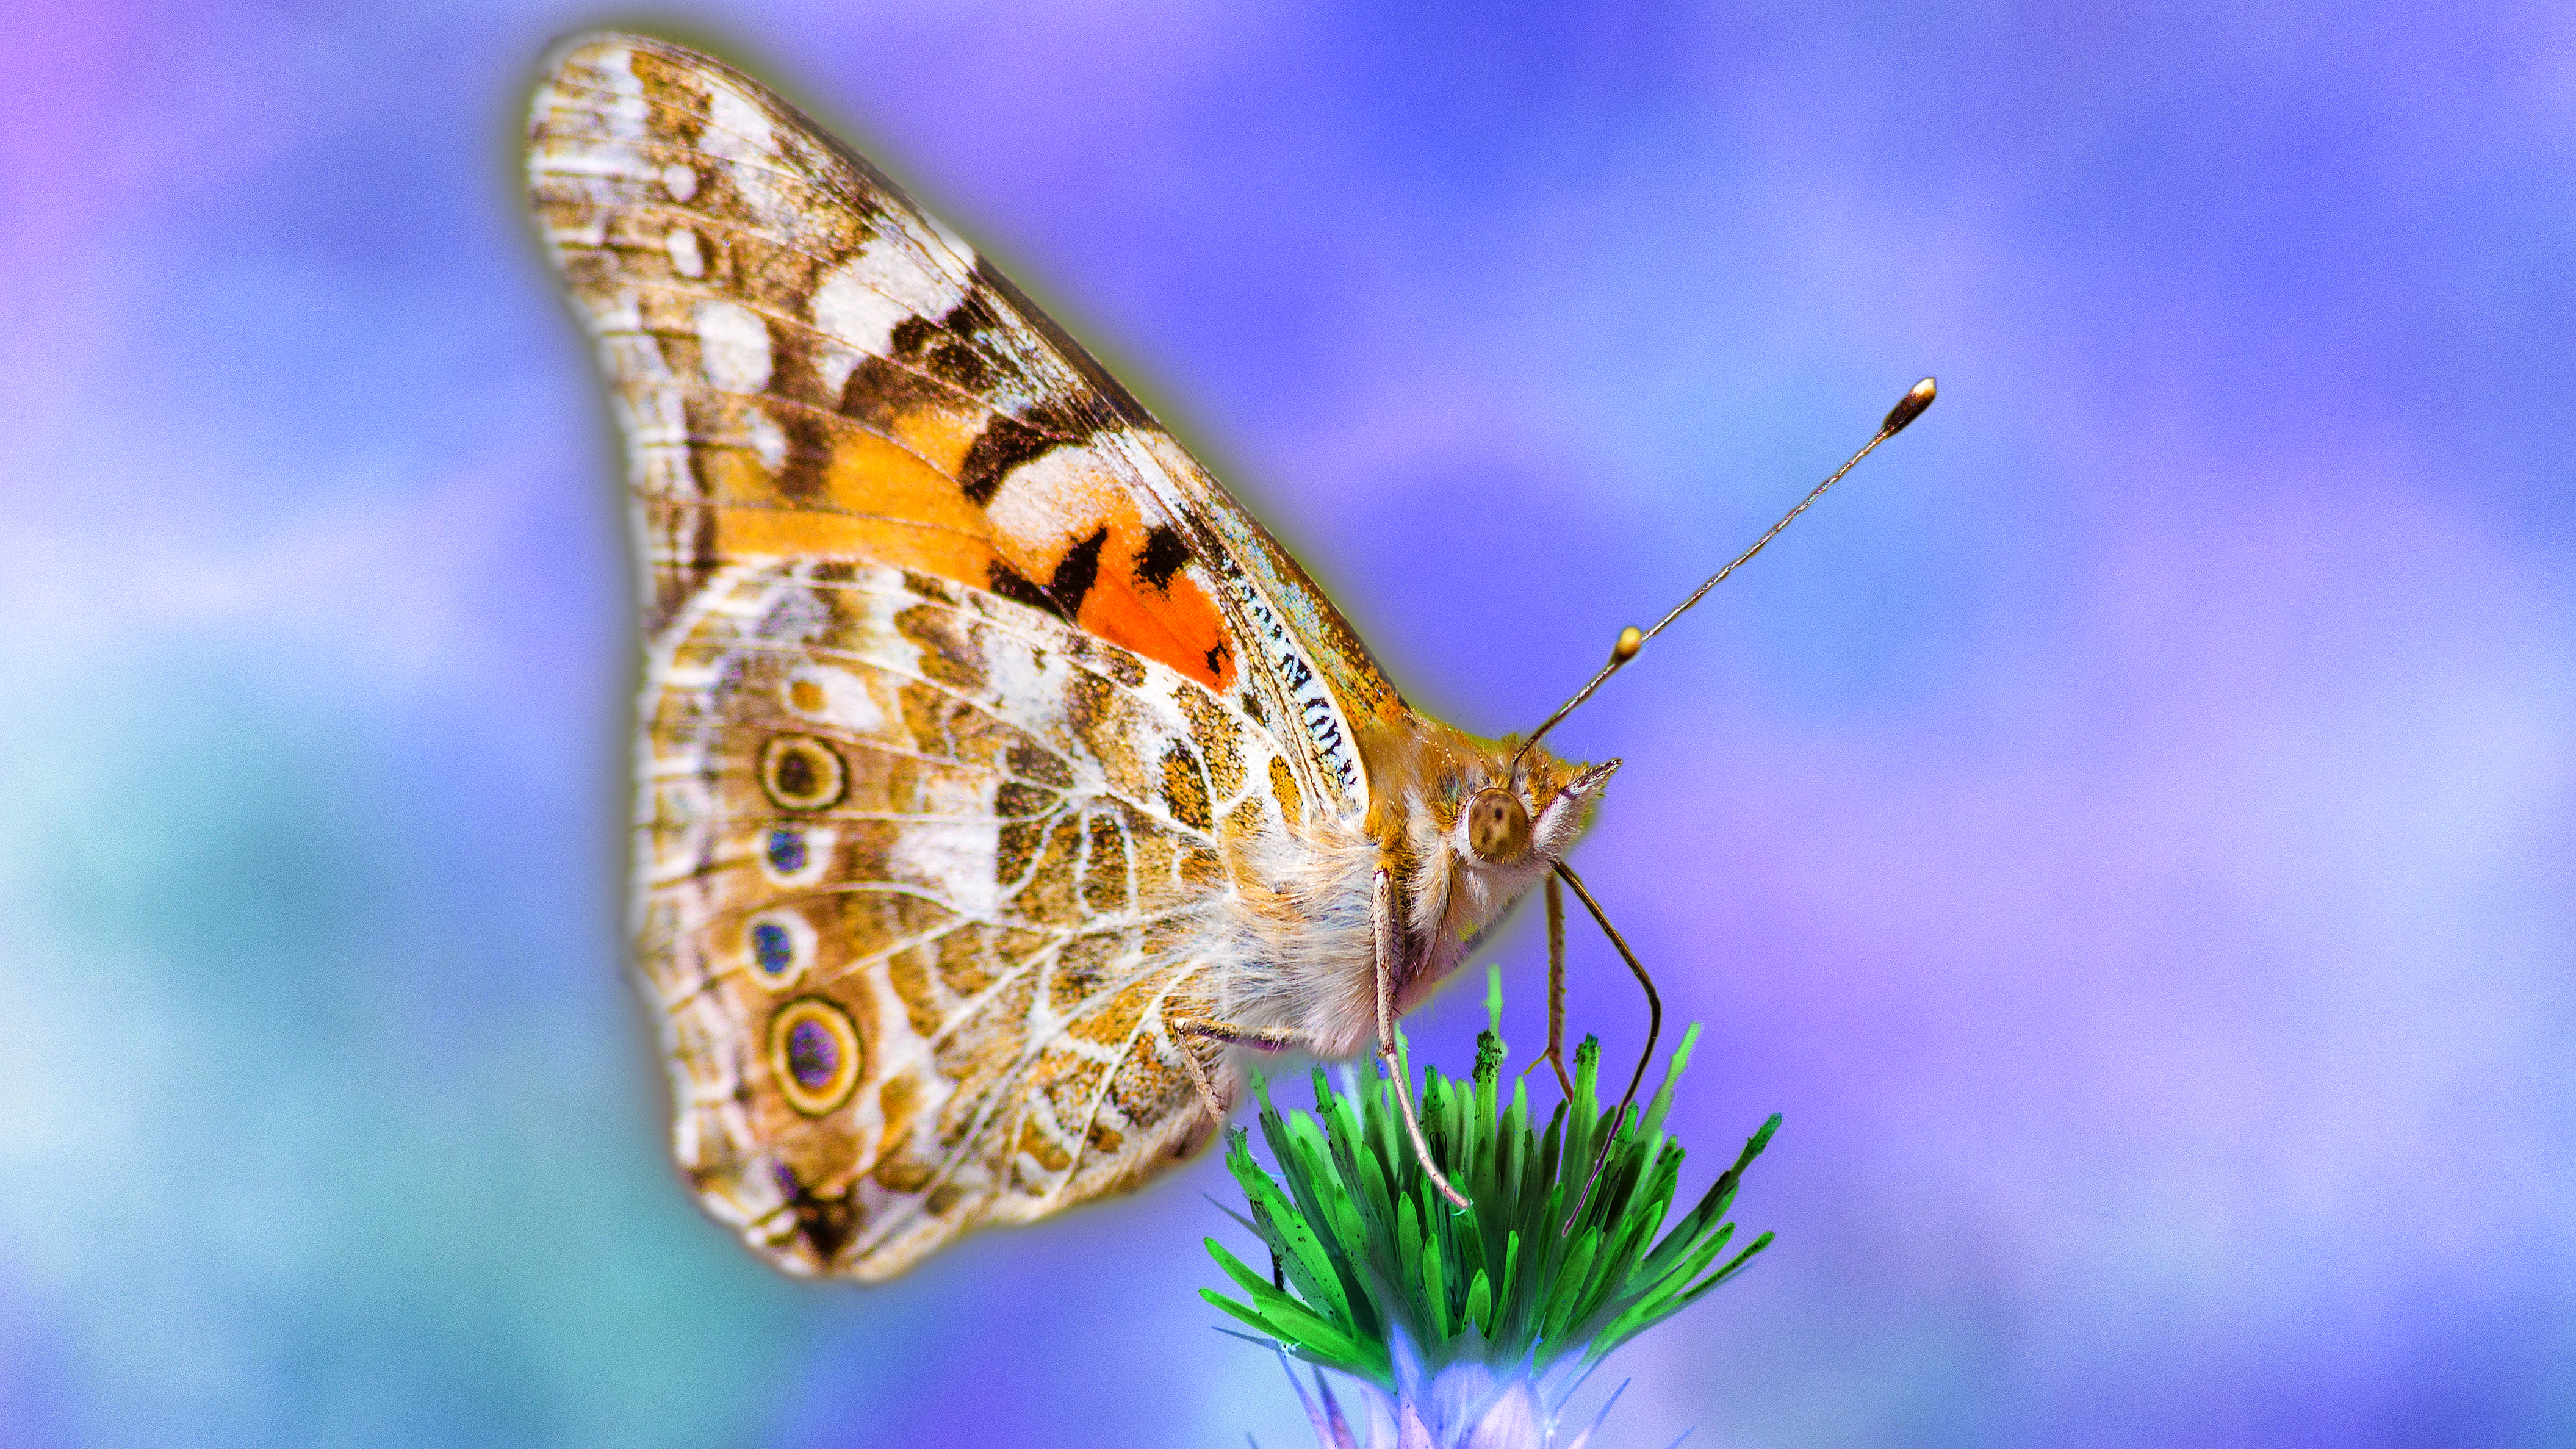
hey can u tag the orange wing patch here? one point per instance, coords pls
(809, 367)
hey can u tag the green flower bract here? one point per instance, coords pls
(1367, 1249)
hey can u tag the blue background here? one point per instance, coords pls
(2126, 829)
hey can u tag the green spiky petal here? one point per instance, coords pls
(1367, 1248)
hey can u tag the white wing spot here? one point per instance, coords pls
(954, 862)
(1057, 495)
(833, 366)
(848, 308)
(682, 244)
(738, 130)
(867, 297)
(733, 346)
(836, 697)
(680, 181)
(767, 439)
(1031, 682)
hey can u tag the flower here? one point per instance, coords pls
(1468, 1405)
(1469, 1326)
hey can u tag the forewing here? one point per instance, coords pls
(806, 365)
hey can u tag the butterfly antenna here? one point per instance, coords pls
(1907, 409)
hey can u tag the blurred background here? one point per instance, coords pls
(2126, 829)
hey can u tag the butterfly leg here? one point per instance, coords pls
(1554, 1056)
(1192, 1029)
(1382, 919)
(1654, 1029)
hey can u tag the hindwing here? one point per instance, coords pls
(924, 875)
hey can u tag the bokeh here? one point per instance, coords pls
(2126, 829)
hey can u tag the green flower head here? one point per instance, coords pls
(1548, 1269)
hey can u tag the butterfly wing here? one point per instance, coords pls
(965, 685)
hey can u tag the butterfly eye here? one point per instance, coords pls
(1498, 828)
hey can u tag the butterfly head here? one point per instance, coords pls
(1526, 807)
(1485, 822)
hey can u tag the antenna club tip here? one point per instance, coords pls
(1908, 407)
(1630, 641)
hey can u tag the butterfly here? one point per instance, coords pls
(999, 778)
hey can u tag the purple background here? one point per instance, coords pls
(2126, 830)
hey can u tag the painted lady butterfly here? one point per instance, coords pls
(996, 771)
